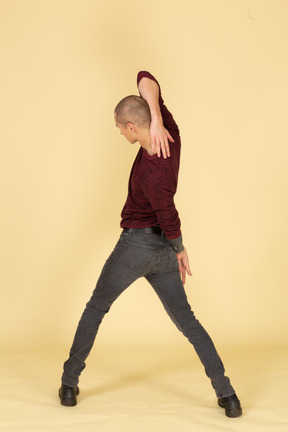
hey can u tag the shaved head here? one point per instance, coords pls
(133, 109)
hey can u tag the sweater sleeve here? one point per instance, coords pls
(145, 74)
(167, 117)
(159, 190)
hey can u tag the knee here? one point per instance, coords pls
(184, 319)
(95, 310)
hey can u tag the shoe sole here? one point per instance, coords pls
(233, 414)
(67, 402)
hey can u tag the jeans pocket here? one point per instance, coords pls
(135, 256)
(172, 259)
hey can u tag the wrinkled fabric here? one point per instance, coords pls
(138, 254)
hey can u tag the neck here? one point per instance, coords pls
(145, 142)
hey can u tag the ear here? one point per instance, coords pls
(132, 127)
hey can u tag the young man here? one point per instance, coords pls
(150, 244)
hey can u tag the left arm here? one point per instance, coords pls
(160, 136)
(183, 262)
(159, 191)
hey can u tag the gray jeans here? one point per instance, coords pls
(135, 255)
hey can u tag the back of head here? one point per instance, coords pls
(133, 109)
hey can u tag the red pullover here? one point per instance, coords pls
(153, 183)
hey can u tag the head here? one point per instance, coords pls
(132, 117)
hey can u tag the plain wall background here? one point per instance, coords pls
(64, 168)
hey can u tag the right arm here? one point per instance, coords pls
(160, 191)
(160, 136)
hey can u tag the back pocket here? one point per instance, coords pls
(135, 256)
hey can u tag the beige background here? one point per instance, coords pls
(64, 169)
(223, 69)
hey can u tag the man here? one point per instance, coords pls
(150, 245)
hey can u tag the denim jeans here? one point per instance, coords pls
(139, 254)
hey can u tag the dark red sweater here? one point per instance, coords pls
(153, 183)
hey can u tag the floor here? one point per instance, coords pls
(143, 389)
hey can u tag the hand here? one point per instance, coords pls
(160, 138)
(184, 267)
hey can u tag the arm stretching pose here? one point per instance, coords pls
(150, 244)
(150, 91)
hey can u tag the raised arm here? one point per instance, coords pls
(160, 136)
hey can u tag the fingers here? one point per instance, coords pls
(170, 137)
(183, 269)
(160, 142)
(183, 262)
(167, 148)
(189, 271)
(160, 147)
(157, 146)
(164, 147)
(183, 277)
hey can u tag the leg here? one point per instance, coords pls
(169, 288)
(122, 268)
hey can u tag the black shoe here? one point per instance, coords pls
(68, 395)
(232, 406)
